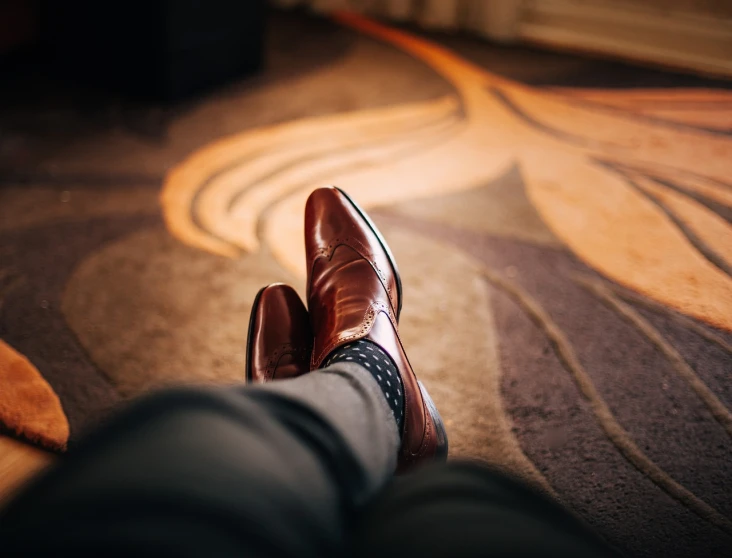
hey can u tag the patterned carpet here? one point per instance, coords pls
(563, 226)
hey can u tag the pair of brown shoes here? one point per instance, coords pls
(353, 292)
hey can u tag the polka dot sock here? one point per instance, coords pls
(372, 358)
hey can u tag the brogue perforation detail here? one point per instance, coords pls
(366, 325)
(301, 353)
(362, 251)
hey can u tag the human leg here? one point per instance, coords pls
(275, 470)
(466, 510)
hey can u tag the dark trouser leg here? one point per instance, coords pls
(464, 510)
(270, 471)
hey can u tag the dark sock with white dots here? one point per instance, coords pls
(371, 357)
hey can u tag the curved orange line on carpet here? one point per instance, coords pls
(606, 222)
(29, 407)
(719, 192)
(718, 410)
(610, 227)
(657, 308)
(615, 433)
(703, 108)
(220, 164)
(625, 236)
(711, 229)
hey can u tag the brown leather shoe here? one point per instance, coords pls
(354, 292)
(280, 339)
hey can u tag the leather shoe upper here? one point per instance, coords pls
(354, 293)
(280, 338)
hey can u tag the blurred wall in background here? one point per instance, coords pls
(19, 24)
(688, 34)
(168, 49)
(160, 50)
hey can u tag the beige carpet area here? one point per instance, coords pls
(563, 226)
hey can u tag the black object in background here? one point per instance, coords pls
(160, 50)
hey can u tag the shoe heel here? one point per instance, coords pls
(440, 431)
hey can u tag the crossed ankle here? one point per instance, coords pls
(372, 358)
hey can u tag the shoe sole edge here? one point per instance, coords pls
(442, 447)
(383, 243)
